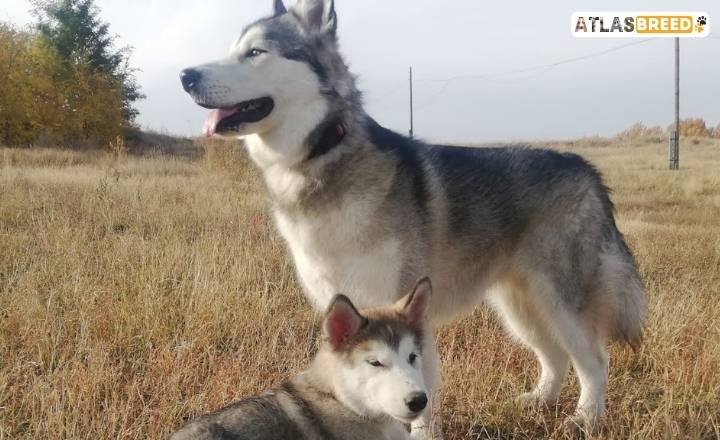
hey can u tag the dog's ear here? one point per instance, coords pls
(278, 8)
(318, 15)
(342, 321)
(414, 305)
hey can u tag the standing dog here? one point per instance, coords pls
(365, 383)
(367, 211)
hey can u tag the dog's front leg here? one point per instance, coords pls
(428, 426)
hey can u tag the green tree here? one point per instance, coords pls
(30, 93)
(48, 101)
(80, 37)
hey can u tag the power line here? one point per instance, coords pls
(543, 70)
(544, 66)
(432, 98)
(390, 91)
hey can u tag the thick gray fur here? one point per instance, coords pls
(530, 230)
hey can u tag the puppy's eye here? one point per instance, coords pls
(255, 52)
(375, 363)
(412, 358)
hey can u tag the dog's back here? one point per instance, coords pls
(296, 410)
(256, 418)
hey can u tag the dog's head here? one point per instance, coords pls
(377, 354)
(278, 74)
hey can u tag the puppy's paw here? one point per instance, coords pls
(424, 433)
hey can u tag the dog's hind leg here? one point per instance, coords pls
(524, 322)
(428, 425)
(578, 330)
(553, 368)
(590, 361)
(557, 334)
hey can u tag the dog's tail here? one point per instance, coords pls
(624, 286)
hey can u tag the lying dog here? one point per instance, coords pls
(366, 382)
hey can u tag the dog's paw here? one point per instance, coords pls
(534, 400)
(420, 434)
(425, 436)
(527, 400)
(578, 427)
(423, 433)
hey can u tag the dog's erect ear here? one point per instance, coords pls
(278, 8)
(318, 15)
(414, 305)
(342, 321)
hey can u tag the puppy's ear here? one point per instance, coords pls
(414, 305)
(278, 8)
(342, 321)
(318, 15)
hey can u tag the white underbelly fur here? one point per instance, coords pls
(330, 261)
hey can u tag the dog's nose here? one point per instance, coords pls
(416, 402)
(190, 79)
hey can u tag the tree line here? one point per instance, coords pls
(64, 80)
(690, 127)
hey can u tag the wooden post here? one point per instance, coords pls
(674, 148)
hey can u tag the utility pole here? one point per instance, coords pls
(674, 150)
(411, 104)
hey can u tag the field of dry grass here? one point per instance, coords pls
(136, 292)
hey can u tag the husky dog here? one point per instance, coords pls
(367, 211)
(365, 383)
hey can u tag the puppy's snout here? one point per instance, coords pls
(416, 402)
(190, 79)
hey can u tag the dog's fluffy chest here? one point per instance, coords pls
(333, 254)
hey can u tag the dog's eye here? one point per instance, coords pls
(255, 52)
(375, 363)
(412, 358)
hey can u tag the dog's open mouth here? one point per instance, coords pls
(223, 120)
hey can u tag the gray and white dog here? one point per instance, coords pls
(365, 383)
(367, 211)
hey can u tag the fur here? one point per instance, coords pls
(530, 230)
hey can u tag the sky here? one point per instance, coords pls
(459, 51)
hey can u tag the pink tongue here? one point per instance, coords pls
(214, 119)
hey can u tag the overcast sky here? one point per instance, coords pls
(442, 40)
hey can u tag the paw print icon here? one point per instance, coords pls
(700, 24)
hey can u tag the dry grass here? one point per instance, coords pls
(137, 292)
